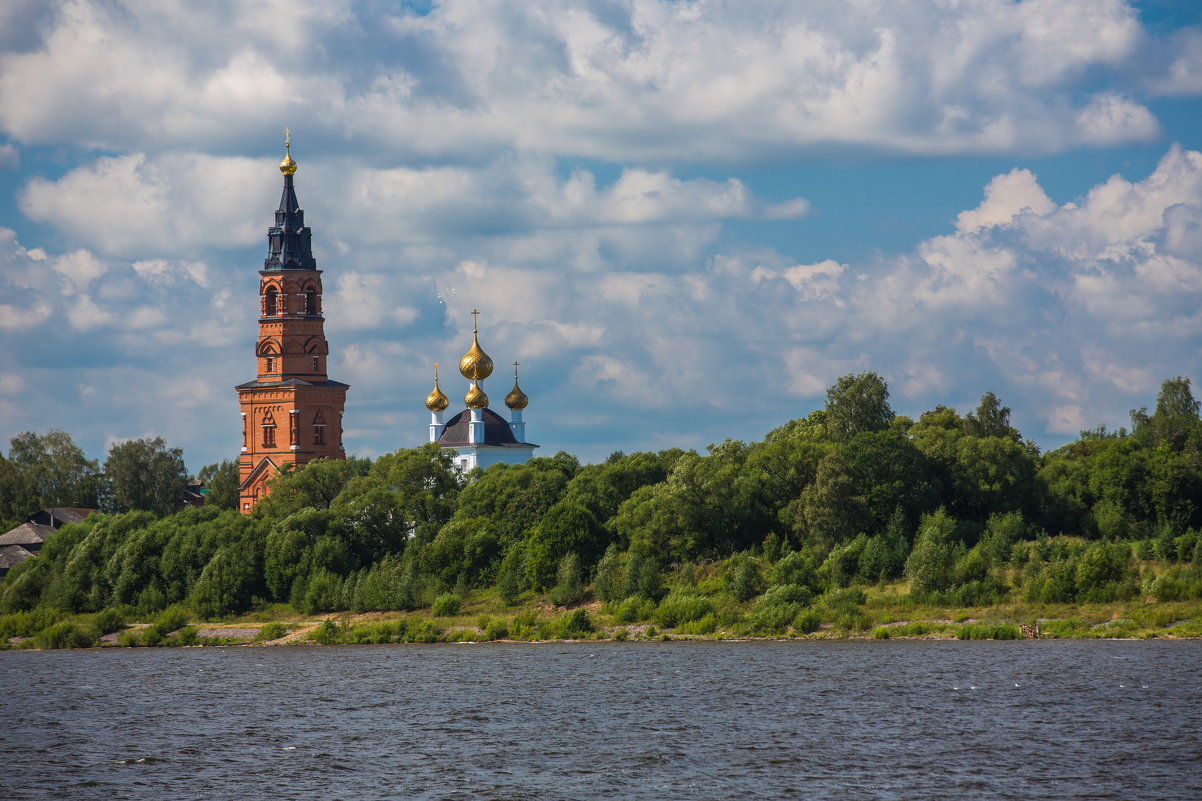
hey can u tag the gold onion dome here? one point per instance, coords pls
(476, 365)
(516, 399)
(475, 397)
(288, 166)
(437, 401)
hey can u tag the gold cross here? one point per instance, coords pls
(515, 371)
(288, 141)
(435, 372)
(474, 313)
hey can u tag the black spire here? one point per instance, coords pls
(289, 242)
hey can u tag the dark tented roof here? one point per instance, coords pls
(496, 431)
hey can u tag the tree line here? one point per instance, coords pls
(961, 507)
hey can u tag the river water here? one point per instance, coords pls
(705, 720)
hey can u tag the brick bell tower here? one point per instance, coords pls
(292, 412)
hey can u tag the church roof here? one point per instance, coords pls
(496, 431)
(291, 382)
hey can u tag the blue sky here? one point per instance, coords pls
(685, 219)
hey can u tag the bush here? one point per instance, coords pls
(744, 581)
(496, 630)
(185, 636)
(446, 605)
(988, 631)
(171, 619)
(634, 609)
(682, 607)
(271, 631)
(787, 594)
(572, 626)
(707, 624)
(27, 624)
(773, 618)
(109, 620)
(608, 583)
(129, 639)
(326, 633)
(68, 635)
(853, 619)
(807, 621)
(524, 625)
(569, 581)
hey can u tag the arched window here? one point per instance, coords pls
(269, 431)
(319, 429)
(311, 301)
(270, 303)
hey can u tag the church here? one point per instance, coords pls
(292, 411)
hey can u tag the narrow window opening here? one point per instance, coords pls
(316, 369)
(311, 302)
(268, 432)
(270, 364)
(319, 429)
(270, 303)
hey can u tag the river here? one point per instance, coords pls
(674, 720)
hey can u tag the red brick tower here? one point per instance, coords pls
(291, 412)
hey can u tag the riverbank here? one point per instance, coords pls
(881, 615)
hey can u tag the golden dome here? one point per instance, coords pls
(516, 399)
(476, 365)
(475, 397)
(288, 166)
(436, 401)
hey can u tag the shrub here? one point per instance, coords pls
(109, 620)
(569, 581)
(496, 630)
(682, 607)
(807, 621)
(634, 609)
(621, 634)
(446, 605)
(326, 633)
(853, 619)
(607, 585)
(129, 639)
(707, 624)
(572, 626)
(27, 624)
(787, 594)
(773, 618)
(170, 619)
(524, 625)
(271, 631)
(185, 636)
(67, 635)
(988, 631)
(744, 580)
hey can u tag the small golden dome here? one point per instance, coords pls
(288, 166)
(436, 401)
(516, 399)
(476, 365)
(475, 397)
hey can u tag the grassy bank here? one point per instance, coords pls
(686, 612)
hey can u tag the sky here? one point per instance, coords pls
(684, 219)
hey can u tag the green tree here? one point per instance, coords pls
(45, 471)
(831, 510)
(221, 484)
(608, 583)
(145, 474)
(1176, 415)
(930, 566)
(857, 403)
(569, 581)
(991, 419)
(315, 484)
(566, 528)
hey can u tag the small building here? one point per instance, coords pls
(478, 436)
(20, 543)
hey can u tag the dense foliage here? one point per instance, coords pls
(960, 508)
